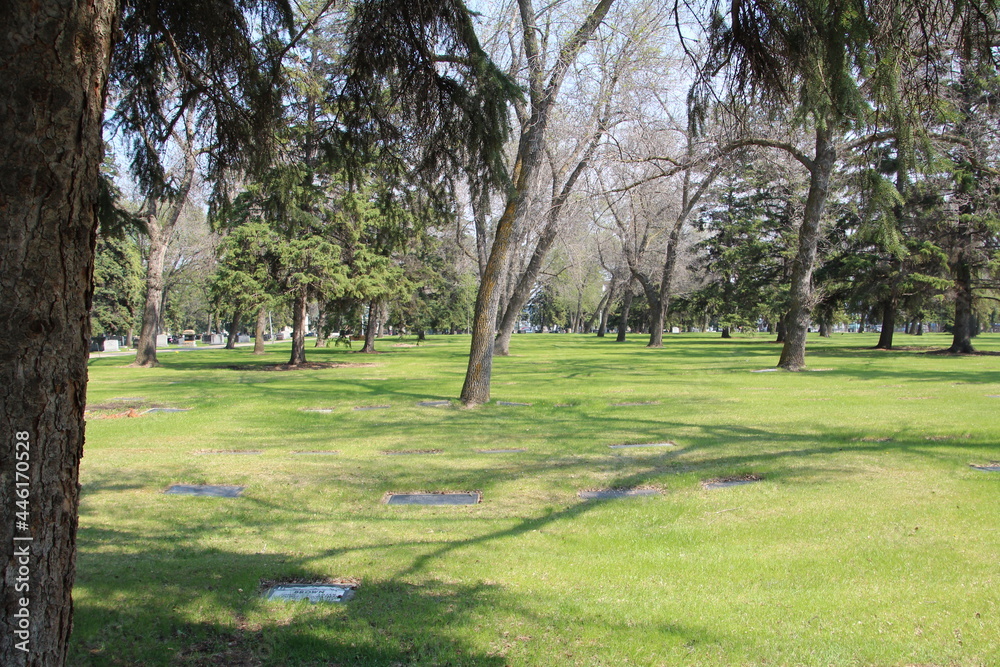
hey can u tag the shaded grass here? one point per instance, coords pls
(870, 540)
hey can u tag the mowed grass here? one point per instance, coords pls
(870, 540)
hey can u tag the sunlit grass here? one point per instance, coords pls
(869, 540)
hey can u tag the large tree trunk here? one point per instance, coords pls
(145, 353)
(542, 94)
(522, 291)
(962, 332)
(371, 331)
(258, 332)
(160, 230)
(888, 323)
(299, 328)
(54, 63)
(623, 324)
(793, 354)
(234, 327)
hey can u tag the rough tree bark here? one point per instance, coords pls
(299, 327)
(258, 332)
(962, 331)
(542, 94)
(54, 60)
(793, 354)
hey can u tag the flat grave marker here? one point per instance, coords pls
(501, 451)
(324, 411)
(443, 498)
(318, 451)
(610, 494)
(633, 404)
(514, 405)
(312, 592)
(372, 407)
(433, 404)
(644, 444)
(146, 412)
(405, 452)
(250, 452)
(215, 491)
(993, 467)
(766, 370)
(727, 482)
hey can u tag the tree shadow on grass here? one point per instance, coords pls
(163, 598)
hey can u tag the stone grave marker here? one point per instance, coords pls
(765, 370)
(514, 405)
(319, 452)
(372, 407)
(230, 451)
(990, 468)
(312, 592)
(324, 411)
(433, 404)
(405, 452)
(633, 404)
(610, 494)
(205, 490)
(165, 410)
(645, 444)
(434, 498)
(501, 451)
(727, 482)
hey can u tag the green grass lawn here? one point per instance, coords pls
(869, 540)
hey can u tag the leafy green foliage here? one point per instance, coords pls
(119, 286)
(746, 252)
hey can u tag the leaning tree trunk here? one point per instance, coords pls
(793, 354)
(258, 332)
(54, 57)
(606, 310)
(372, 329)
(299, 328)
(542, 94)
(962, 332)
(234, 326)
(626, 307)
